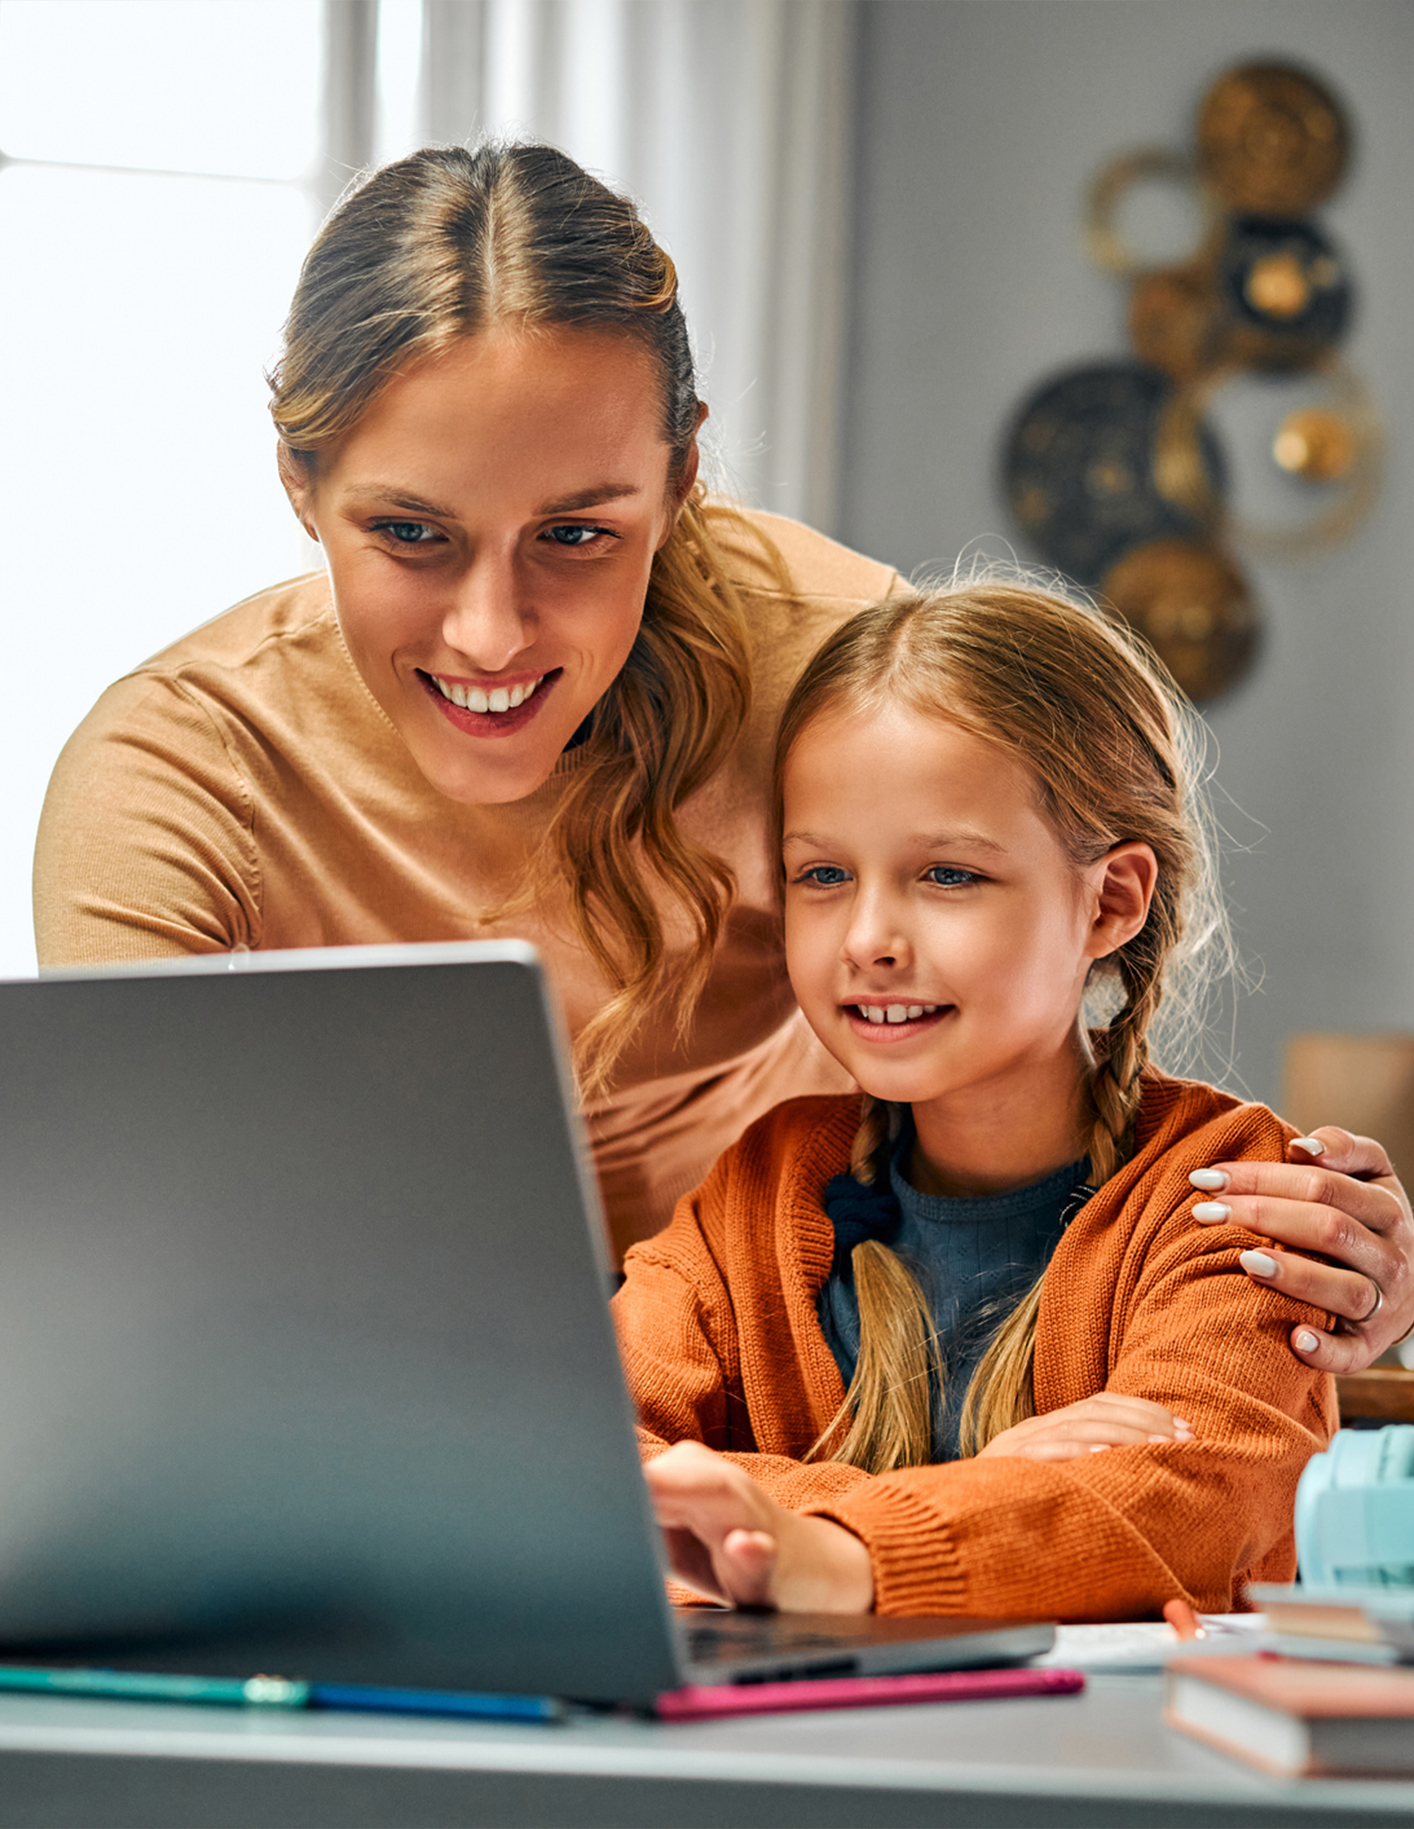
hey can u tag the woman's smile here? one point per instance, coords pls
(490, 708)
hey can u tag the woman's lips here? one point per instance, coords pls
(884, 1024)
(488, 722)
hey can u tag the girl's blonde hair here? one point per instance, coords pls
(432, 249)
(1116, 756)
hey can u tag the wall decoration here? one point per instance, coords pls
(1116, 471)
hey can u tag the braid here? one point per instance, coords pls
(885, 1420)
(1123, 1048)
(875, 1126)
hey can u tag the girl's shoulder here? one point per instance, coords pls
(1179, 1119)
(787, 1155)
(1148, 1204)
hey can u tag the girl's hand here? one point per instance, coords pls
(1343, 1200)
(728, 1539)
(1107, 1420)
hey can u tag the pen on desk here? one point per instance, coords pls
(472, 1705)
(156, 1686)
(275, 1692)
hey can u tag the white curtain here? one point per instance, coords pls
(730, 122)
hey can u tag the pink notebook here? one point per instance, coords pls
(701, 1703)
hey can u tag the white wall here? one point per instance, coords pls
(979, 123)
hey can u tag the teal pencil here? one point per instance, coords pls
(144, 1686)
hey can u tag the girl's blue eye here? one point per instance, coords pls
(947, 876)
(407, 533)
(824, 876)
(574, 533)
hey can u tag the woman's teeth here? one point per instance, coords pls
(472, 698)
(896, 1012)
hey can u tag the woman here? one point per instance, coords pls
(536, 694)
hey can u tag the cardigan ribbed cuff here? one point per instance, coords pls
(917, 1568)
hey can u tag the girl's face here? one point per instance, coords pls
(489, 526)
(938, 938)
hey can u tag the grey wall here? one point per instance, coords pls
(979, 124)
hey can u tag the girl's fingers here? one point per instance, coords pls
(746, 1562)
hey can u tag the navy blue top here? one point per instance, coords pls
(974, 1259)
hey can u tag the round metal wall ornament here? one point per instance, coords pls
(1286, 292)
(1272, 140)
(1108, 249)
(1176, 319)
(1080, 473)
(1192, 605)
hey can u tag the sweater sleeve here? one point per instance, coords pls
(145, 844)
(1126, 1530)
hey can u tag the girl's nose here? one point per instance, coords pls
(486, 622)
(875, 936)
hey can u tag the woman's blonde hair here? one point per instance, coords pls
(1116, 756)
(432, 249)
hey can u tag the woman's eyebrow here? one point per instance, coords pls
(590, 498)
(399, 498)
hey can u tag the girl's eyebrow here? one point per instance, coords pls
(962, 835)
(927, 841)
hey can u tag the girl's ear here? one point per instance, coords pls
(1123, 884)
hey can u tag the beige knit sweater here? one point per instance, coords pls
(244, 789)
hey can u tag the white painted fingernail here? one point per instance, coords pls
(1258, 1263)
(1098, 1447)
(1306, 1341)
(1210, 1210)
(1313, 1146)
(1212, 1179)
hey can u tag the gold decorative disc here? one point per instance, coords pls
(1272, 140)
(1193, 607)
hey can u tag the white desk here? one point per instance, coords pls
(1095, 1761)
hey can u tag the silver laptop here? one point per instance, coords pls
(305, 1359)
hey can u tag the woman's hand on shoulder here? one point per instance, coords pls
(729, 1540)
(1342, 1200)
(1109, 1419)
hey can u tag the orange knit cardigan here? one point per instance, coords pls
(721, 1344)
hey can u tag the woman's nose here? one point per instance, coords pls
(487, 621)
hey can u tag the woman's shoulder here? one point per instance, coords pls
(265, 666)
(770, 556)
(297, 614)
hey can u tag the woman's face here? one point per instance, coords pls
(489, 526)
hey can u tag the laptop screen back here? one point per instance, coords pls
(303, 1352)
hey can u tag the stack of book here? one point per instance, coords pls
(1330, 1691)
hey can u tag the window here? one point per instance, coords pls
(157, 194)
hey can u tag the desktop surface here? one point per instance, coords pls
(1092, 1761)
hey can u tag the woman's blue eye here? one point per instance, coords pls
(407, 533)
(824, 876)
(574, 533)
(946, 876)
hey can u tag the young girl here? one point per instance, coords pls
(963, 1348)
